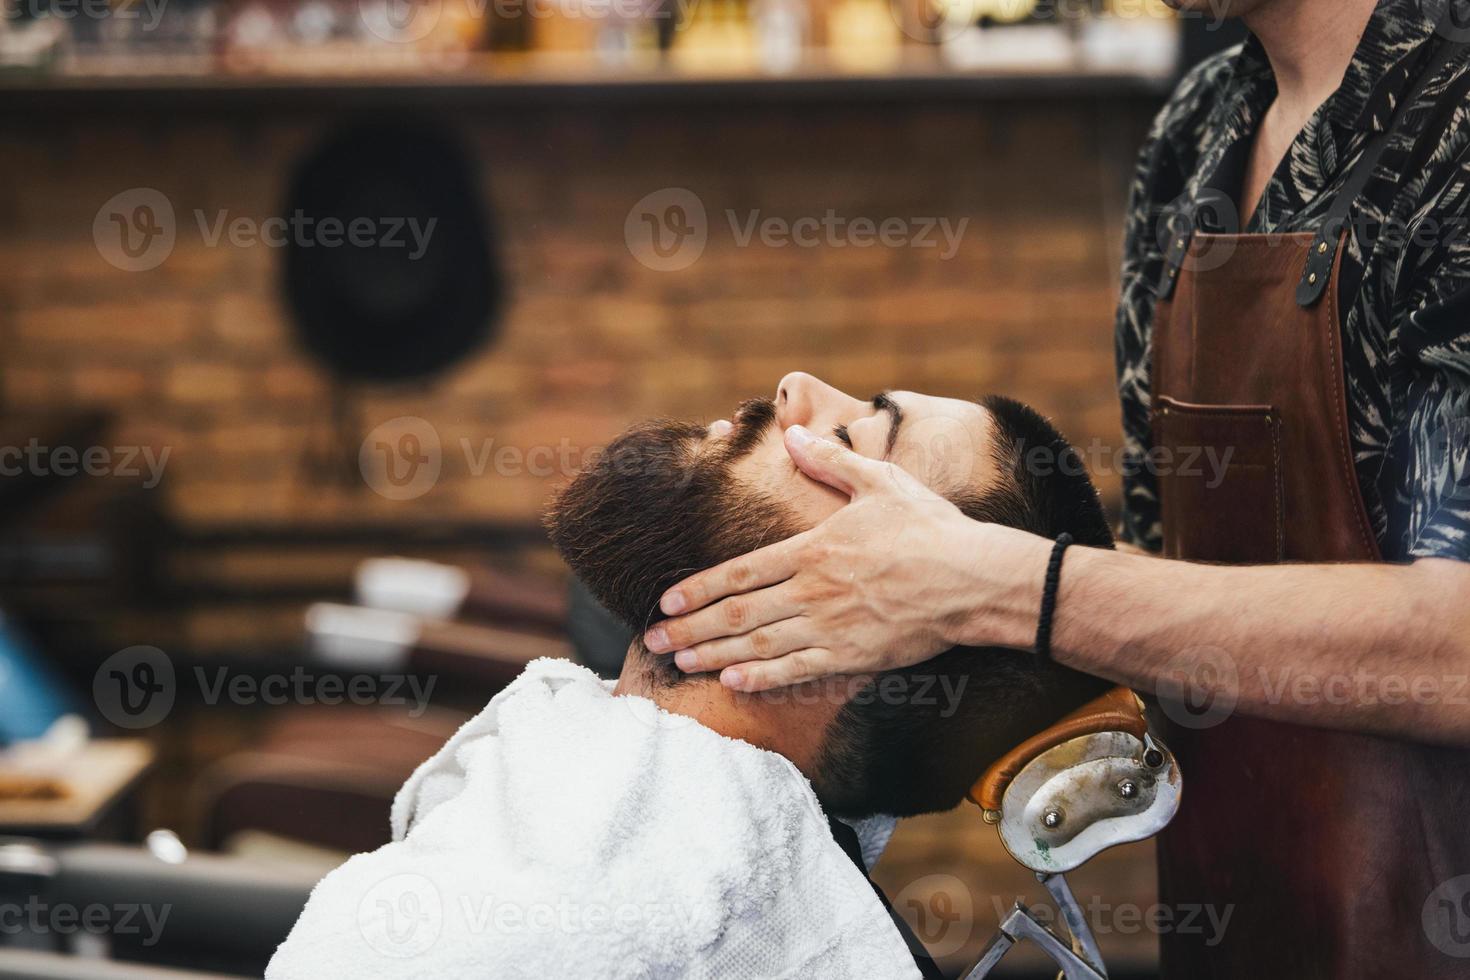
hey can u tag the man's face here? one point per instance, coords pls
(944, 442)
(669, 498)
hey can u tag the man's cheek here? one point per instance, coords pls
(771, 473)
(814, 502)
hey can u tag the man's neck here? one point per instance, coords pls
(791, 722)
(1310, 44)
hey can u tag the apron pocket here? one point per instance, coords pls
(1219, 475)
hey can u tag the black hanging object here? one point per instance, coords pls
(418, 286)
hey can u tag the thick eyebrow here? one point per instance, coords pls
(883, 403)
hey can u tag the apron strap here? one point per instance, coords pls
(1329, 239)
(1176, 250)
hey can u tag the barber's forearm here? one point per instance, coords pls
(1378, 648)
(1126, 548)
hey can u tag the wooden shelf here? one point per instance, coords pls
(471, 87)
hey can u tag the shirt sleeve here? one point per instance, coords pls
(1133, 338)
(1435, 340)
(1430, 444)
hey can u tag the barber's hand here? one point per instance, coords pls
(894, 577)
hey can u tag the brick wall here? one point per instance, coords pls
(196, 355)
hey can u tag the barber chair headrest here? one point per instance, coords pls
(1094, 779)
(1118, 710)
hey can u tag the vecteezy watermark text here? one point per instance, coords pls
(403, 915)
(304, 231)
(303, 687)
(942, 909)
(668, 230)
(1130, 919)
(832, 230)
(1210, 463)
(137, 230)
(410, 21)
(1200, 687)
(35, 459)
(404, 457)
(136, 688)
(147, 12)
(37, 917)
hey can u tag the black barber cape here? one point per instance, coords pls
(847, 839)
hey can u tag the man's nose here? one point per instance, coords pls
(800, 398)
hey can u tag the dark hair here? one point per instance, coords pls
(1047, 489)
(916, 739)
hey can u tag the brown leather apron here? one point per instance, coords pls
(1323, 847)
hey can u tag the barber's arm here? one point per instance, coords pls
(899, 574)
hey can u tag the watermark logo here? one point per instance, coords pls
(401, 459)
(940, 451)
(1450, 444)
(941, 21)
(650, 714)
(941, 910)
(1209, 211)
(135, 688)
(400, 21)
(667, 230)
(401, 916)
(1446, 917)
(135, 230)
(1199, 687)
(1450, 17)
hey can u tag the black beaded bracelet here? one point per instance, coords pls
(1049, 596)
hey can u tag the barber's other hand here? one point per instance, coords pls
(891, 579)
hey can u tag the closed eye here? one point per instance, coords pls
(841, 433)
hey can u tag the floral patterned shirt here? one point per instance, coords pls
(1406, 267)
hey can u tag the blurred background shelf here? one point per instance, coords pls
(600, 50)
(920, 79)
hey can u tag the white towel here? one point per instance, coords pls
(567, 833)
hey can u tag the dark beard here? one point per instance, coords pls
(652, 510)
